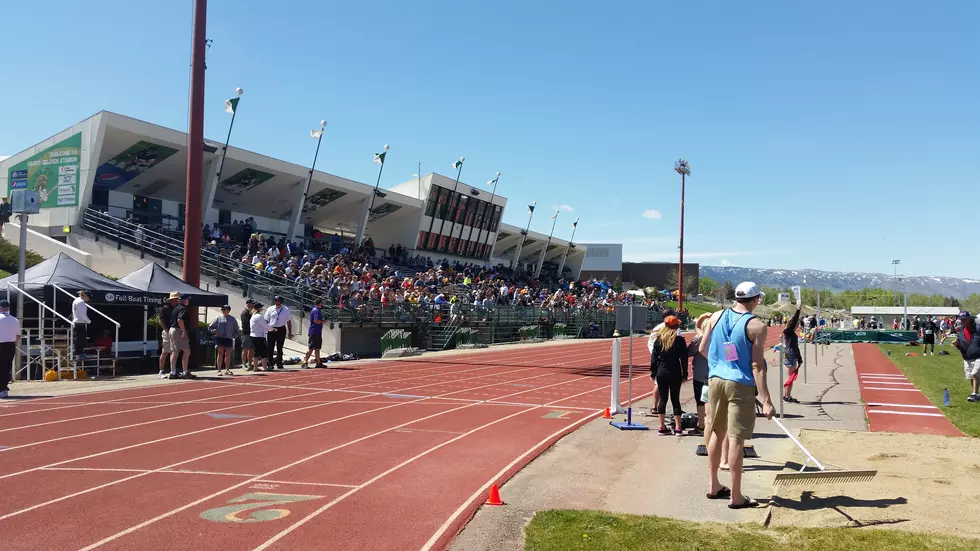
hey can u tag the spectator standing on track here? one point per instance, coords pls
(80, 321)
(734, 344)
(278, 317)
(968, 343)
(315, 334)
(9, 339)
(668, 363)
(259, 331)
(166, 345)
(699, 370)
(927, 331)
(225, 331)
(181, 348)
(247, 350)
(791, 355)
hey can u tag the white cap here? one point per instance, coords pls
(748, 289)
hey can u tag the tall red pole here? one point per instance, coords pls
(195, 150)
(680, 265)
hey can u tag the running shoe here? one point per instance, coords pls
(163, 375)
(973, 398)
(189, 375)
(219, 373)
(228, 372)
(678, 432)
(664, 431)
(174, 376)
(696, 432)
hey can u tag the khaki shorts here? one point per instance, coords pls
(971, 368)
(732, 405)
(166, 346)
(178, 342)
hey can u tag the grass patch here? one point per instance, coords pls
(4, 273)
(597, 531)
(696, 308)
(931, 373)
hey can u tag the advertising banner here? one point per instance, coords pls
(136, 160)
(53, 173)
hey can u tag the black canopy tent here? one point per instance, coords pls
(154, 278)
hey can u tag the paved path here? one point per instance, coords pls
(893, 403)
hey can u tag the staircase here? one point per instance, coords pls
(441, 336)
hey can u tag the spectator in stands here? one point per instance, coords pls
(968, 343)
(224, 328)
(247, 346)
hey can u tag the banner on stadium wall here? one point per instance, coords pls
(129, 164)
(244, 180)
(53, 173)
(321, 199)
(382, 211)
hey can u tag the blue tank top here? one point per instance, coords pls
(731, 328)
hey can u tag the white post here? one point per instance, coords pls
(614, 406)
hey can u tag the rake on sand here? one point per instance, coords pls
(823, 476)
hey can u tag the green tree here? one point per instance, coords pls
(707, 285)
(729, 290)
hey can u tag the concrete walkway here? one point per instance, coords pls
(599, 467)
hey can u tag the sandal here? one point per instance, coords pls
(723, 493)
(748, 503)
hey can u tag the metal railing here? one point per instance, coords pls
(25, 349)
(54, 302)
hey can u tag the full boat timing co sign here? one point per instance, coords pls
(127, 299)
(53, 173)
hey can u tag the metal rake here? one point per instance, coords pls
(823, 476)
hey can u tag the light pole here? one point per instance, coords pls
(683, 168)
(544, 251)
(193, 214)
(379, 158)
(489, 216)
(571, 243)
(520, 244)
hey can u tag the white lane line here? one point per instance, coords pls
(889, 383)
(881, 375)
(146, 471)
(891, 389)
(906, 413)
(264, 481)
(878, 404)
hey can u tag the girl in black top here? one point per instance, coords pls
(668, 365)
(791, 354)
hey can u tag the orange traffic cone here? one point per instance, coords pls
(494, 498)
(605, 414)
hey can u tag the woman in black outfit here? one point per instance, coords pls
(791, 355)
(668, 366)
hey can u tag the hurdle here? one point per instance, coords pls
(614, 403)
(628, 424)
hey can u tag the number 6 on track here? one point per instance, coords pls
(261, 505)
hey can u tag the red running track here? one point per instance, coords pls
(892, 403)
(385, 455)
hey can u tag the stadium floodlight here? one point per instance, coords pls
(683, 168)
(239, 91)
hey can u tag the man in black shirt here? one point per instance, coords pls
(247, 349)
(166, 345)
(180, 327)
(928, 333)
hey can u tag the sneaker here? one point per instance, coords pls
(973, 398)
(189, 375)
(696, 432)
(174, 376)
(219, 373)
(678, 432)
(164, 375)
(228, 372)
(4, 393)
(664, 431)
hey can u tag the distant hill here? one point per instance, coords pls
(843, 281)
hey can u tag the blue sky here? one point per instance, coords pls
(832, 135)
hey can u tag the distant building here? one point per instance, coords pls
(602, 261)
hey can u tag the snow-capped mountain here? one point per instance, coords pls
(843, 281)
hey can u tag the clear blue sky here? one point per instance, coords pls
(855, 122)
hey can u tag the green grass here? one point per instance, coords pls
(696, 308)
(597, 531)
(4, 273)
(931, 373)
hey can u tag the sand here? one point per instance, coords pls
(924, 484)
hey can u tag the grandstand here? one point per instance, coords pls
(120, 207)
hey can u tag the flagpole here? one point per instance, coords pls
(442, 225)
(309, 180)
(571, 243)
(493, 195)
(367, 214)
(233, 105)
(520, 244)
(544, 251)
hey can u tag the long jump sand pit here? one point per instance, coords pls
(924, 484)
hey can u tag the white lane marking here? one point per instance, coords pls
(881, 375)
(900, 405)
(889, 383)
(891, 389)
(906, 413)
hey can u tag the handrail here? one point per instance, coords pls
(14, 285)
(92, 308)
(17, 368)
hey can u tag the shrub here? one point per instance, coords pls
(10, 257)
